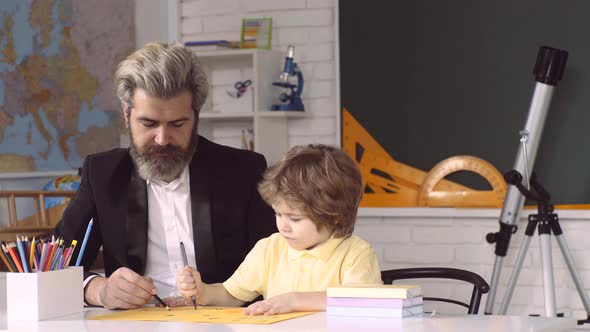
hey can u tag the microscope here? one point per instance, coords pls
(292, 101)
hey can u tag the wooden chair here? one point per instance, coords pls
(41, 222)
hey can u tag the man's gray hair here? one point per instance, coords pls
(162, 71)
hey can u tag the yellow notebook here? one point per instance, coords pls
(375, 291)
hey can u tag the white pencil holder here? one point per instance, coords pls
(44, 295)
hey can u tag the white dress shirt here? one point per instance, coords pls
(169, 223)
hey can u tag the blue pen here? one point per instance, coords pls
(84, 242)
(19, 243)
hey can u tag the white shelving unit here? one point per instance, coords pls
(223, 117)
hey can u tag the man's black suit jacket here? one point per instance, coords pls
(228, 214)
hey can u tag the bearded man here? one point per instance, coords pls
(170, 186)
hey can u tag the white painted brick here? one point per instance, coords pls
(318, 52)
(318, 89)
(222, 23)
(472, 254)
(320, 3)
(311, 126)
(220, 76)
(323, 106)
(421, 221)
(526, 277)
(202, 8)
(486, 223)
(302, 18)
(230, 129)
(321, 35)
(324, 70)
(192, 25)
(446, 235)
(378, 234)
(329, 139)
(265, 5)
(234, 142)
(521, 295)
(438, 255)
(585, 276)
(292, 36)
(370, 221)
(248, 73)
(581, 258)
(575, 238)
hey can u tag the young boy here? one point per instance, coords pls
(315, 191)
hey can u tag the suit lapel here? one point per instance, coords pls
(137, 224)
(201, 214)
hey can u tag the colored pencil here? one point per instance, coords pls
(7, 254)
(71, 252)
(5, 260)
(84, 242)
(14, 256)
(32, 253)
(22, 254)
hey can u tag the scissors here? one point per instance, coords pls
(241, 87)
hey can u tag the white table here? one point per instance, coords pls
(318, 322)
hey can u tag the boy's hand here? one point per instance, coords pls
(280, 304)
(176, 301)
(189, 283)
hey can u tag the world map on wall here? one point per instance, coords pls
(57, 100)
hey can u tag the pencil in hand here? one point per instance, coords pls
(161, 302)
(185, 262)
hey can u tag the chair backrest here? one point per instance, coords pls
(41, 222)
(480, 286)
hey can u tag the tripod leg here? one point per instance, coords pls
(575, 276)
(556, 228)
(547, 265)
(524, 246)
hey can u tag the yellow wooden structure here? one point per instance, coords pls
(394, 184)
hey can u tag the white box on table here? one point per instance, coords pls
(44, 295)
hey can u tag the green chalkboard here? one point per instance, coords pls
(434, 79)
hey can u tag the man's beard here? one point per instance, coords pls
(162, 163)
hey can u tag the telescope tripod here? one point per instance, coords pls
(547, 222)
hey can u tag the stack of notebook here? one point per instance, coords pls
(394, 301)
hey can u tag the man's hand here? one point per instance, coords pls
(189, 283)
(279, 304)
(124, 289)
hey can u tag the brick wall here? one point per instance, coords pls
(456, 238)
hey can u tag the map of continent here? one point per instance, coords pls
(57, 99)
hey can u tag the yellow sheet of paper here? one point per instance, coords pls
(221, 315)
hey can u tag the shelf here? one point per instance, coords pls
(281, 114)
(226, 115)
(249, 115)
(224, 52)
(263, 67)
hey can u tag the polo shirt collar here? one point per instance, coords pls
(322, 251)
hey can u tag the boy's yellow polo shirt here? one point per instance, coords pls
(272, 267)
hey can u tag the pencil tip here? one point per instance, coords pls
(168, 308)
